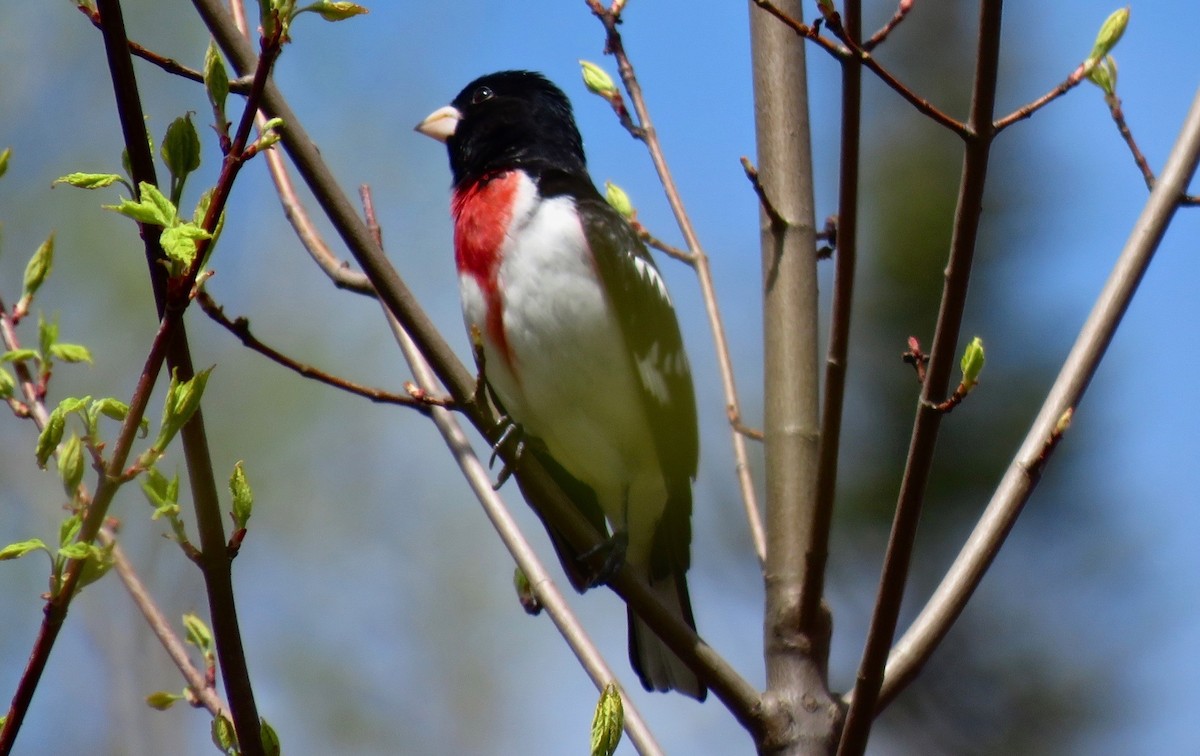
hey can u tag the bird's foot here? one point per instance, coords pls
(612, 550)
(513, 434)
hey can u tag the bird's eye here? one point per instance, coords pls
(481, 94)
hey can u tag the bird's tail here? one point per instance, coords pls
(657, 665)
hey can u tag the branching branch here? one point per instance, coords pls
(852, 50)
(941, 360)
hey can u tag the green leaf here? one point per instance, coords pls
(270, 739)
(181, 147)
(38, 267)
(153, 207)
(18, 550)
(618, 199)
(197, 633)
(70, 464)
(76, 550)
(88, 180)
(97, 567)
(142, 212)
(114, 409)
(162, 700)
(179, 242)
(150, 193)
(47, 334)
(68, 529)
(216, 79)
(972, 363)
(19, 355)
(51, 435)
(71, 352)
(243, 497)
(4, 156)
(331, 10)
(597, 80)
(1110, 34)
(75, 404)
(8, 384)
(1104, 75)
(223, 736)
(607, 722)
(182, 401)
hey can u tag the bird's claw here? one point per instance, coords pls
(512, 433)
(613, 550)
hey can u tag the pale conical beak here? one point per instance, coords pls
(440, 124)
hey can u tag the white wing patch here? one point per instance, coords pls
(650, 275)
(652, 375)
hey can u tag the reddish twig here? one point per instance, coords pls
(1072, 81)
(240, 327)
(878, 37)
(768, 207)
(856, 52)
(923, 440)
(1118, 116)
(915, 357)
(170, 65)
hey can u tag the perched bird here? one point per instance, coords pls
(580, 341)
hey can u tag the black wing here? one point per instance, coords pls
(655, 344)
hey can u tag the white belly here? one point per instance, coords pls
(572, 384)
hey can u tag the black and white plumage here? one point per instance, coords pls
(580, 338)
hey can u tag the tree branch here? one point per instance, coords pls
(947, 602)
(941, 361)
(802, 715)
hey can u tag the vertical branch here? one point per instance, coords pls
(942, 358)
(215, 561)
(797, 697)
(839, 328)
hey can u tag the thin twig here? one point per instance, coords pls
(170, 65)
(777, 220)
(240, 327)
(1118, 116)
(700, 262)
(1025, 111)
(837, 356)
(198, 684)
(878, 37)
(977, 150)
(864, 56)
(944, 606)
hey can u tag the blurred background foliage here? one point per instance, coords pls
(375, 601)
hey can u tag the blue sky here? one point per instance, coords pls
(373, 596)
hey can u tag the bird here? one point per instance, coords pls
(581, 347)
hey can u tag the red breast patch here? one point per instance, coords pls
(482, 213)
